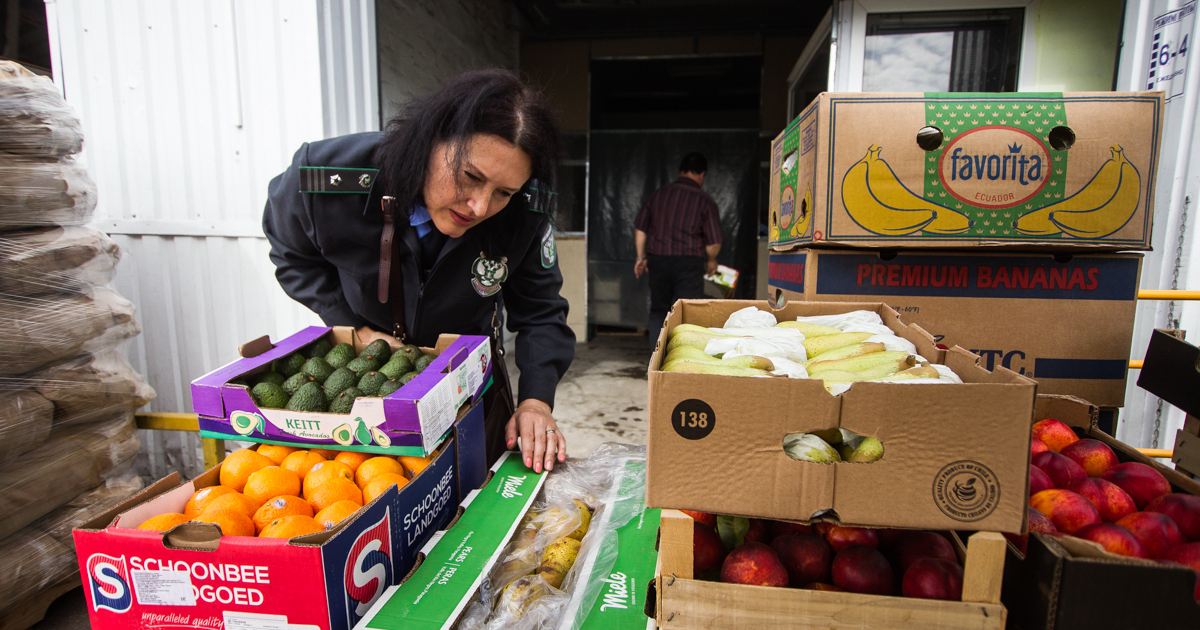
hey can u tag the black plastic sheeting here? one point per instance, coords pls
(626, 166)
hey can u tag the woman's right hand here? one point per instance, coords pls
(366, 334)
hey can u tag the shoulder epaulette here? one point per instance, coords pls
(328, 179)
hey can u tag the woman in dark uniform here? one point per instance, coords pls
(431, 227)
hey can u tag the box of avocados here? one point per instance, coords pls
(325, 387)
(1049, 169)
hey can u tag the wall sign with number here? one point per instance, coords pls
(1170, 49)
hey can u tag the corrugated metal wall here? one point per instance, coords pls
(189, 109)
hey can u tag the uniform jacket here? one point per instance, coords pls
(325, 246)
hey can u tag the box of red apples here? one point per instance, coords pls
(711, 575)
(1114, 537)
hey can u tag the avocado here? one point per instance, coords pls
(408, 377)
(381, 438)
(318, 348)
(423, 362)
(310, 397)
(370, 383)
(396, 366)
(344, 401)
(318, 369)
(295, 382)
(341, 354)
(362, 365)
(389, 386)
(339, 380)
(411, 352)
(378, 350)
(343, 435)
(269, 395)
(269, 377)
(290, 364)
(362, 433)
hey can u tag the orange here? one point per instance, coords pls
(234, 501)
(374, 467)
(323, 472)
(336, 513)
(352, 459)
(238, 467)
(380, 483)
(327, 453)
(301, 462)
(414, 465)
(332, 491)
(163, 522)
(276, 452)
(279, 507)
(288, 526)
(270, 482)
(202, 498)
(231, 522)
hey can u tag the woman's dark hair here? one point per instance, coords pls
(481, 101)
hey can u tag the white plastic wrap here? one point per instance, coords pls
(35, 332)
(751, 317)
(58, 260)
(35, 120)
(44, 192)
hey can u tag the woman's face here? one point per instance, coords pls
(492, 171)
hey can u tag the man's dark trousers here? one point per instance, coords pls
(672, 278)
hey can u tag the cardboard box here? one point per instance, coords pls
(1171, 371)
(715, 443)
(963, 170)
(454, 565)
(192, 577)
(1021, 311)
(683, 602)
(413, 418)
(1068, 583)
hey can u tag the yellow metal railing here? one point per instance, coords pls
(1165, 294)
(214, 450)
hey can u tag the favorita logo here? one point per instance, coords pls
(108, 578)
(995, 167)
(368, 569)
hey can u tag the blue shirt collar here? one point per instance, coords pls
(421, 220)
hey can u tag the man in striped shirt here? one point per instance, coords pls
(678, 236)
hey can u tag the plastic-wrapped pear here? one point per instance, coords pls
(866, 347)
(864, 362)
(869, 450)
(825, 343)
(559, 559)
(807, 447)
(809, 330)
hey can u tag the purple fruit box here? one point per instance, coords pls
(410, 421)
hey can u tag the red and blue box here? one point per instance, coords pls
(411, 420)
(191, 577)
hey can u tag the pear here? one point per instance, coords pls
(682, 328)
(809, 330)
(923, 371)
(807, 447)
(692, 338)
(696, 367)
(825, 343)
(744, 361)
(869, 450)
(688, 352)
(864, 362)
(867, 347)
(831, 436)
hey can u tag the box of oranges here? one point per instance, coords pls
(275, 536)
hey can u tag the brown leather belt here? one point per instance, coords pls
(391, 285)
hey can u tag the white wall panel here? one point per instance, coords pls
(189, 108)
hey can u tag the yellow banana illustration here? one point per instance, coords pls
(802, 215)
(1113, 214)
(878, 202)
(1096, 194)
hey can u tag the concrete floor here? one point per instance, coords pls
(601, 399)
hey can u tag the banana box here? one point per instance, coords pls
(1057, 170)
(1064, 320)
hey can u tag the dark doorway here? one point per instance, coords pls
(646, 115)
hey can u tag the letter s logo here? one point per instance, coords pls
(368, 569)
(108, 578)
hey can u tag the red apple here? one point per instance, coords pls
(1184, 509)
(754, 563)
(841, 537)
(1189, 556)
(1037, 446)
(863, 570)
(1094, 456)
(807, 557)
(1041, 524)
(1061, 469)
(759, 531)
(783, 528)
(919, 545)
(1157, 532)
(702, 517)
(707, 549)
(1143, 483)
(1054, 434)
(818, 586)
(1114, 539)
(933, 578)
(1038, 480)
(1113, 502)
(1068, 511)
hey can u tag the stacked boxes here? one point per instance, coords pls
(891, 196)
